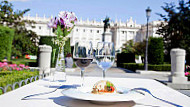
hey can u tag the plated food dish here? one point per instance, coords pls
(103, 91)
(104, 86)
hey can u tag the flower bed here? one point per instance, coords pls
(187, 72)
(11, 73)
(4, 66)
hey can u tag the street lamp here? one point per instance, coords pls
(148, 11)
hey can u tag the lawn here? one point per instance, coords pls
(22, 61)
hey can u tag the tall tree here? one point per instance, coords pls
(176, 30)
(128, 47)
(140, 48)
(24, 40)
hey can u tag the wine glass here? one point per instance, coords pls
(83, 56)
(105, 55)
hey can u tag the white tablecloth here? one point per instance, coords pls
(56, 99)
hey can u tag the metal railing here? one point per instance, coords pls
(23, 82)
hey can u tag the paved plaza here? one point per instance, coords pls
(94, 70)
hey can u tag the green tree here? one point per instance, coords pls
(128, 47)
(137, 47)
(176, 33)
(24, 40)
(6, 38)
(156, 50)
(140, 48)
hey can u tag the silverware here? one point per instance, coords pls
(64, 87)
(147, 91)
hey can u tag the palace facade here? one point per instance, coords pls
(86, 30)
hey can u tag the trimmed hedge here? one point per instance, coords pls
(125, 58)
(156, 51)
(134, 67)
(164, 67)
(48, 41)
(10, 77)
(6, 38)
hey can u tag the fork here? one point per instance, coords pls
(146, 90)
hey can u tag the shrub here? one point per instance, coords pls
(6, 38)
(48, 41)
(163, 67)
(156, 51)
(135, 66)
(10, 77)
(132, 66)
(67, 47)
(125, 58)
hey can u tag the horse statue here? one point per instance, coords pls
(106, 23)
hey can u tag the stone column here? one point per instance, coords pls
(177, 66)
(45, 58)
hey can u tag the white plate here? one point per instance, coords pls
(84, 93)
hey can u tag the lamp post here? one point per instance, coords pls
(148, 11)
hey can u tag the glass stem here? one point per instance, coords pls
(104, 73)
(82, 76)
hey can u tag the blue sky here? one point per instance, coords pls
(95, 9)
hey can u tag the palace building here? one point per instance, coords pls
(86, 30)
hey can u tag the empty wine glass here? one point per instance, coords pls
(105, 55)
(83, 56)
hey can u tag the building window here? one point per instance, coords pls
(40, 27)
(131, 32)
(131, 26)
(90, 31)
(123, 32)
(77, 30)
(98, 31)
(83, 30)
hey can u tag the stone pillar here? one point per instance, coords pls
(177, 66)
(44, 58)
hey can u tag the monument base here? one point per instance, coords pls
(178, 80)
(183, 86)
(107, 36)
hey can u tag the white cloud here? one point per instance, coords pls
(18, 0)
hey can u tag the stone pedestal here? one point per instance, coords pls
(44, 58)
(177, 66)
(107, 36)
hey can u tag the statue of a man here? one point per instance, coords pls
(106, 23)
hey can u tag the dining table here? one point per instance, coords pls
(49, 92)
